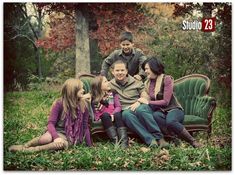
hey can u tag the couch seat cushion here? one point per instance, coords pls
(193, 119)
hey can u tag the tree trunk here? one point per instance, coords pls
(38, 59)
(39, 63)
(36, 34)
(82, 43)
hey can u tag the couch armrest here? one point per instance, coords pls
(204, 107)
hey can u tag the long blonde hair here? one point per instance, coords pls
(96, 91)
(70, 100)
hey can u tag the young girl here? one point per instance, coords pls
(67, 123)
(107, 107)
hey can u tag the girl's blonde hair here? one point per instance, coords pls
(70, 100)
(96, 91)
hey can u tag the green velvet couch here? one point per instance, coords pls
(191, 91)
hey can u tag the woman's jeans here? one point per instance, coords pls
(171, 121)
(141, 121)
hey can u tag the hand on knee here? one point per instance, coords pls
(60, 143)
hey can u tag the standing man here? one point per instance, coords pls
(133, 56)
(130, 90)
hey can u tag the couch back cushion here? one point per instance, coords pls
(188, 91)
(86, 79)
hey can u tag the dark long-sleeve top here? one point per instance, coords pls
(78, 126)
(135, 60)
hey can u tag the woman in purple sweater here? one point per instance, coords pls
(67, 123)
(167, 111)
(107, 108)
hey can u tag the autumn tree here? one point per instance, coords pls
(219, 45)
(222, 44)
(21, 54)
(171, 44)
(34, 23)
(102, 22)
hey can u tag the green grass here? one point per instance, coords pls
(25, 117)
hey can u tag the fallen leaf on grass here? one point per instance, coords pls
(196, 163)
(162, 157)
(163, 152)
(144, 149)
(140, 162)
(98, 162)
(165, 157)
(126, 164)
(131, 141)
(118, 158)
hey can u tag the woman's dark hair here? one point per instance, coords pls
(155, 65)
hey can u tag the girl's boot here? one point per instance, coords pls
(50, 146)
(112, 134)
(123, 138)
(33, 142)
(15, 148)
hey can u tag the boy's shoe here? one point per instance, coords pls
(153, 144)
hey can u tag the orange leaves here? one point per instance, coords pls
(160, 9)
(144, 149)
(162, 157)
(110, 18)
(61, 33)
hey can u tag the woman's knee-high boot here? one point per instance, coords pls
(188, 138)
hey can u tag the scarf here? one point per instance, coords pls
(157, 85)
(74, 128)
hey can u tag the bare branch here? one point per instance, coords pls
(18, 28)
(24, 12)
(24, 36)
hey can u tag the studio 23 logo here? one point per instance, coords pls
(206, 25)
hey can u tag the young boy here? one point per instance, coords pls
(133, 56)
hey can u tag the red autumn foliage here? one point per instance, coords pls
(61, 34)
(110, 18)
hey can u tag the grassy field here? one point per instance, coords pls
(25, 117)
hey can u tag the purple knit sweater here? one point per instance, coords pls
(74, 130)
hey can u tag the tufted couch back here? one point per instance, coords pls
(189, 90)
